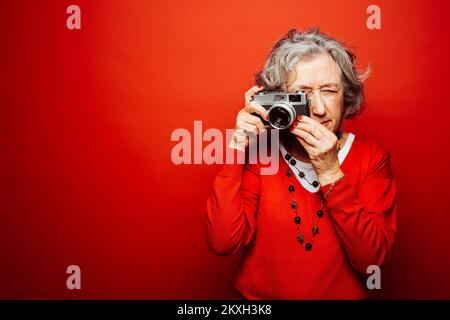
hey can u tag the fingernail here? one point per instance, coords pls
(267, 118)
(295, 124)
(299, 117)
(292, 129)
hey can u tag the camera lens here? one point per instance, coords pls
(280, 116)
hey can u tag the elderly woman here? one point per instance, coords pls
(312, 230)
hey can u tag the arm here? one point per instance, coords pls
(232, 207)
(365, 219)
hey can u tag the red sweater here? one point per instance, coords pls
(253, 211)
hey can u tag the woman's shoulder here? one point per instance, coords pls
(371, 154)
(368, 146)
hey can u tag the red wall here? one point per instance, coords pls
(87, 115)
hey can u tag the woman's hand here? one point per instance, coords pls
(246, 122)
(321, 145)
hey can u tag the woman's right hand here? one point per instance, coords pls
(246, 122)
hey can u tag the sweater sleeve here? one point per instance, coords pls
(365, 219)
(232, 208)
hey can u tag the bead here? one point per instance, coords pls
(308, 246)
(288, 156)
(288, 172)
(294, 205)
(297, 220)
(301, 174)
(320, 213)
(291, 189)
(300, 238)
(315, 230)
(293, 162)
(315, 184)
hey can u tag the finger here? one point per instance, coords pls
(312, 122)
(246, 117)
(251, 92)
(256, 122)
(247, 127)
(306, 136)
(256, 108)
(312, 129)
(320, 130)
(322, 133)
(239, 135)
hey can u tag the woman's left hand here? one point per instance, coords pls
(321, 145)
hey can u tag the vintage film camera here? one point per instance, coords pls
(283, 108)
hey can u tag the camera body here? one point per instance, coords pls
(283, 108)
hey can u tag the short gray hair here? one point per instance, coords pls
(296, 45)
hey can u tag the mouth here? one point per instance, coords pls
(325, 122)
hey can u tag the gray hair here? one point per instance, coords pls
(296, 45)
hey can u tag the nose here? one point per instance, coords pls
(317, 104)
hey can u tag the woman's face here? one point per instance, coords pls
(320, 77)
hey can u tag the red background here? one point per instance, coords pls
(87, 115)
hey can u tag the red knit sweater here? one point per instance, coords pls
(250, 211)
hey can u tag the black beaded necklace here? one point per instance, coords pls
(294, 204)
